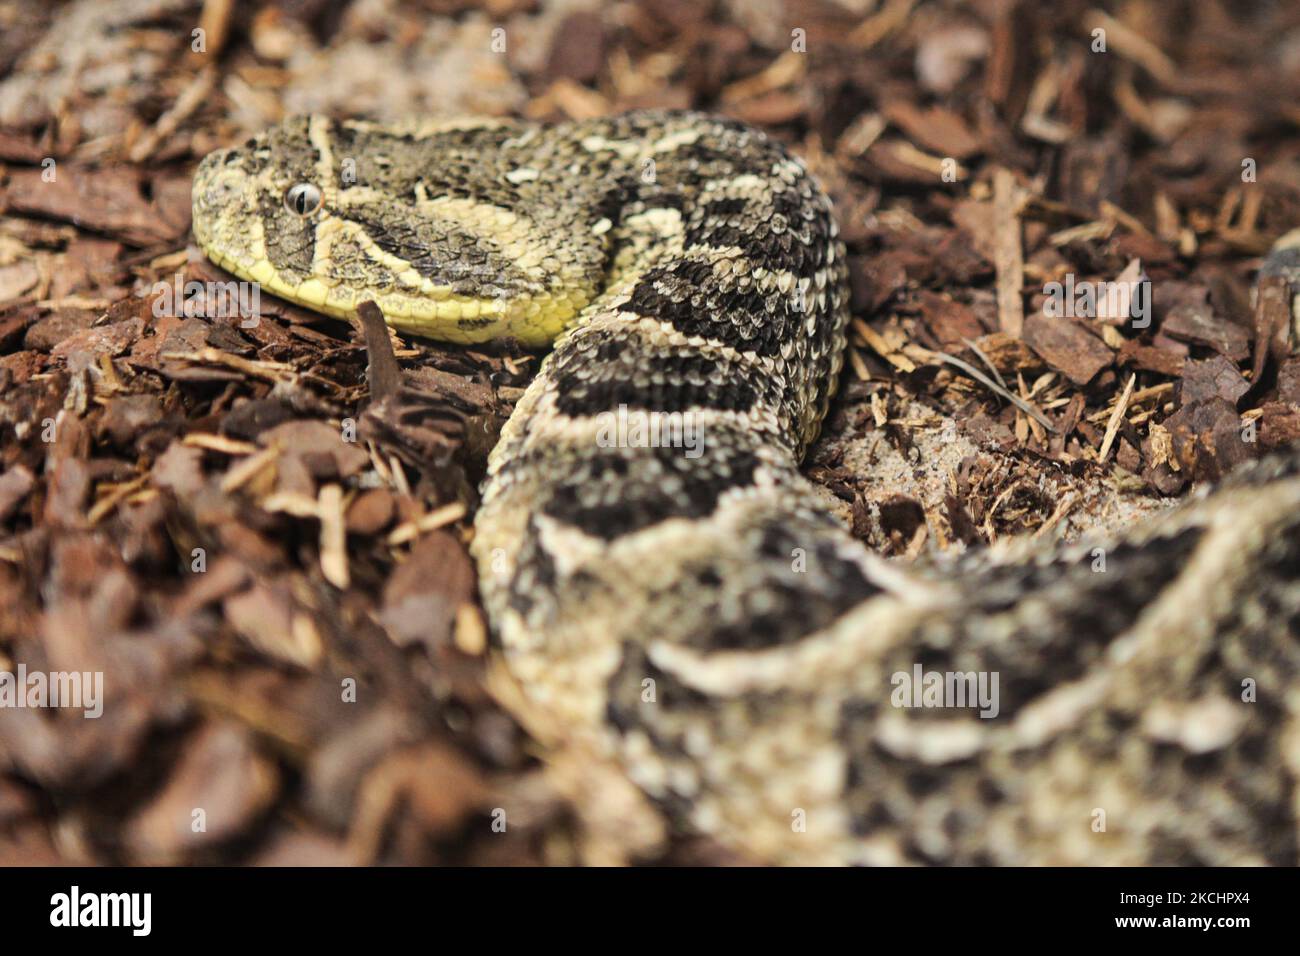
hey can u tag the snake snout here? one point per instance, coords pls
(222, 198)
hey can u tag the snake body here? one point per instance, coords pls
(676, 607)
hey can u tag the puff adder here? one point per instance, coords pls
(698, 644)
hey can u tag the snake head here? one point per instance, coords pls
(257, 206)
(450, 236)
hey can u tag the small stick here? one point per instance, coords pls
(1008, 253)
(1112, 428)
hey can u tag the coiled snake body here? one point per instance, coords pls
(672, 601)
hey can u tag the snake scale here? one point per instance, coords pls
(688, 618)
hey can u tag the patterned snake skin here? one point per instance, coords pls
(683, 613)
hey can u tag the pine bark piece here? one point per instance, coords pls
(1067, 347)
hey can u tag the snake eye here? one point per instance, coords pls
(302, 199)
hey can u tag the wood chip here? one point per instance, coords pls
(1112, 427)
(333, 537)
(385, 374)
(438, 518)
(219, 443)
(1008, 253)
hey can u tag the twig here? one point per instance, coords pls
(1112, 427)
(270, 371)
(437, 518)
(1008, 255)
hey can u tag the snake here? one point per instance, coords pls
(701, 649)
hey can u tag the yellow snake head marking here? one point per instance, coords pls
(450, 244)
